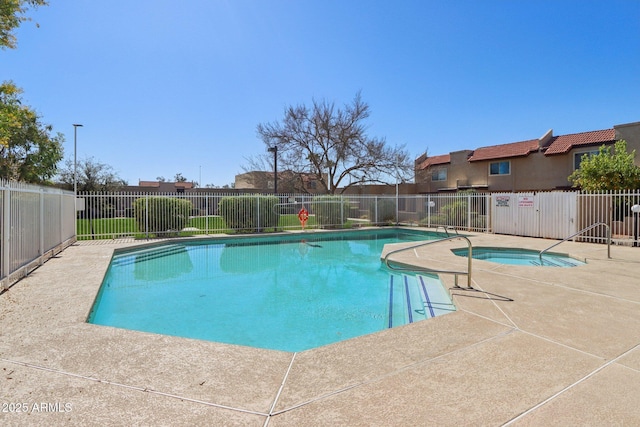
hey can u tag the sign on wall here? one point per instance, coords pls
(525, 201)
(502, 201)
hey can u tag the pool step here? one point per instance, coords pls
(416, 297)
(555, 262)
(147, 254)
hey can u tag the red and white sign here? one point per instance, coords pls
(525, 201)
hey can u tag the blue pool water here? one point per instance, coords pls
(518, 256)
(290, 293)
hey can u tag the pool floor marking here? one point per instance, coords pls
(406, 288)
(426, 296)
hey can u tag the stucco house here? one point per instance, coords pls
(538, 164)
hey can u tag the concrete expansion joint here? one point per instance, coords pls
(569, 387)
(130, 387)
(392, 373)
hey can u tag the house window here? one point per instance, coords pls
(439, 175)
(578, 157)
(500, 168)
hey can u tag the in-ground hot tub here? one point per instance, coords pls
(519, 256)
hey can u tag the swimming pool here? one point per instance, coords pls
(520, 256)
(288, 292)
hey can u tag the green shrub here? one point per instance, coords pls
(249, 213)
(456, 213)
(386, 211)
(330, 210)
(434, 219)
(167, 215)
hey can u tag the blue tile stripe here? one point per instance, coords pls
(406, 288)
(426, 295)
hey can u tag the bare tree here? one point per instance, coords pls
(332, 144)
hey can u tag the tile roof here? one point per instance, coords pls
(435, 160)
(564, 143)
(514, 149)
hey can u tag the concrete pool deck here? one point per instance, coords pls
(539, 347)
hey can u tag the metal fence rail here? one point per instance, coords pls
(542, 214)
(614, 209)
(116, 215)
(35, 223)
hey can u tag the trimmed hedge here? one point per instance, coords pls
(166, 215)
(386, 211)
(249, 213)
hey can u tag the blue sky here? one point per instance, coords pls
(163, 87)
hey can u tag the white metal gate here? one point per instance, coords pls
(550, 214)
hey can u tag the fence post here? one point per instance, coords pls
(487, 212)
(146, 216)
(206, 213)
(375, 209)
(258, 213)
(397, 206)
(61, 239)
(41, 224)
(468, 211)
(6, 227)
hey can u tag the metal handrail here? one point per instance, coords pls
(592, 226)
(431, 270)
(446, 228)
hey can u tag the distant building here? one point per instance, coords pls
(538, 164)
(159, 187)
(288, 182)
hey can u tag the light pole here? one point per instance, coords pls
(75, 159)
(274, 150)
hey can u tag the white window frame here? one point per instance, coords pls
(582, 153)
(436, 175)
(508, 162)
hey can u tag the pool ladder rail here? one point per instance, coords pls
(446, 229)
(584, 230)
(387, 261)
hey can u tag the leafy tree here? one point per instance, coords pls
(332, 144)
(92, 176)
(12, 14)
(607, 170)
(179, 178)
(28, 151)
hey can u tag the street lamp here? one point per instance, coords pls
(75, 159)
(274, 150)
(636, 210)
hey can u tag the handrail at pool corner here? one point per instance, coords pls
(446, 229)
(431, 242)
(592, 226)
